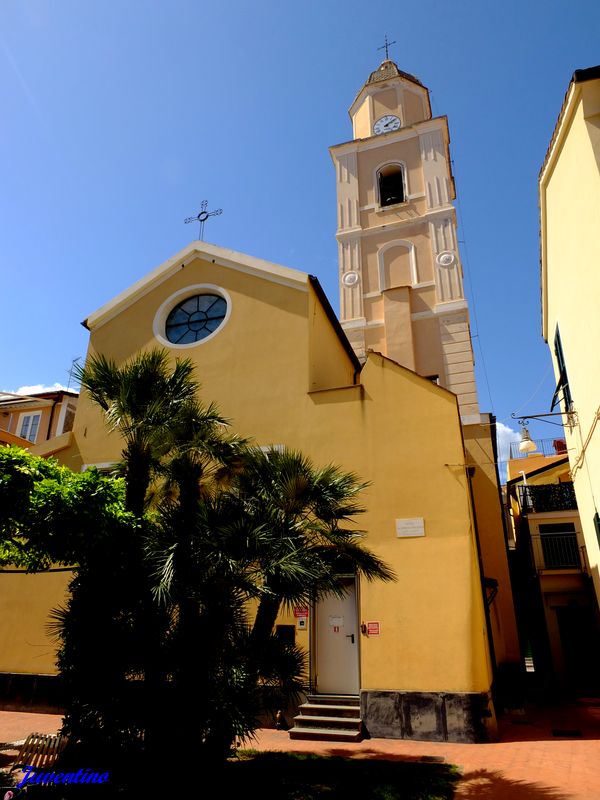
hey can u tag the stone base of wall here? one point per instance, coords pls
(39, 693)
(428, 716)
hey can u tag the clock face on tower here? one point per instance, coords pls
(386, 124)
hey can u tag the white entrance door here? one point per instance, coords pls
(337, 644)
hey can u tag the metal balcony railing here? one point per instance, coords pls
(556, 551)
(545, 447)
(547, 497)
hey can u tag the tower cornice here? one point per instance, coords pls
(408, 132)
(441, 212)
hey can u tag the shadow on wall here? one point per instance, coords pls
(484, 785)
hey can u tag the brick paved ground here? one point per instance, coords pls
(529, 762)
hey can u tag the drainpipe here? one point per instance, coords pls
(54, 402)
(470, 470)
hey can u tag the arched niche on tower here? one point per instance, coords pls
(397, 261)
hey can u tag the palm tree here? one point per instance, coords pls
(308, 513)
(186, 547)
(141, 401)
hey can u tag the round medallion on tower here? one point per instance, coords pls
(350, 279)
(446, 258)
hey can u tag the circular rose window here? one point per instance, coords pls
(195, 318)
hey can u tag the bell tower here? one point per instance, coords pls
(401, 281)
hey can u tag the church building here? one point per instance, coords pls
(387, 392)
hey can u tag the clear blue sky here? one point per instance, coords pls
(120, 117)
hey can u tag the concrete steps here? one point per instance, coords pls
(329, 717)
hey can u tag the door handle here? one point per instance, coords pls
(350, 636)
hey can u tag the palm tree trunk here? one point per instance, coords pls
(264, 622)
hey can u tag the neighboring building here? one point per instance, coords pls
(554, 596)
(270, 352)
(39, 422)
(569, 186)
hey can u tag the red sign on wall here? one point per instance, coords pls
(301, 611)
(373, 629)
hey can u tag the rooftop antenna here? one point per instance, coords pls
(74, 362)
(385, 47)
(202, 217)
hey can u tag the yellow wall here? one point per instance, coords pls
(481, 454)
(25, 603)
(275, 346)
(432, 620)
(329, 364)
(570, 201)
(389, 430)
(397, 430)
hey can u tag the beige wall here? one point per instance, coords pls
(371, 160)
(394, 251)
(396, 96)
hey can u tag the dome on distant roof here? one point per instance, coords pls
(388, 70)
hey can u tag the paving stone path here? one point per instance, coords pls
(530, 762)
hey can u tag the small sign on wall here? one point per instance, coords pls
(373, 629)
(300, 611)
(302, 623)
(410, 528)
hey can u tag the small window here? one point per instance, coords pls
(286, 634)
(391, 185)
(29, 427)
(69, 418)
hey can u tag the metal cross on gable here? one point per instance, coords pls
(203, 216)
(385, 47)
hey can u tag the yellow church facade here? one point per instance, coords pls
(281, 369)
(387, 392)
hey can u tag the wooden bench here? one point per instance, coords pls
(40, 750)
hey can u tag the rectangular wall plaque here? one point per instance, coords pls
(409, 528)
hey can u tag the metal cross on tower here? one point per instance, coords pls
(203, 216)
(386, 46)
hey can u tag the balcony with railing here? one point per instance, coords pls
(547, 497)
(544, 447)
(556, 551)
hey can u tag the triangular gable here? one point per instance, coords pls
(217, 255)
